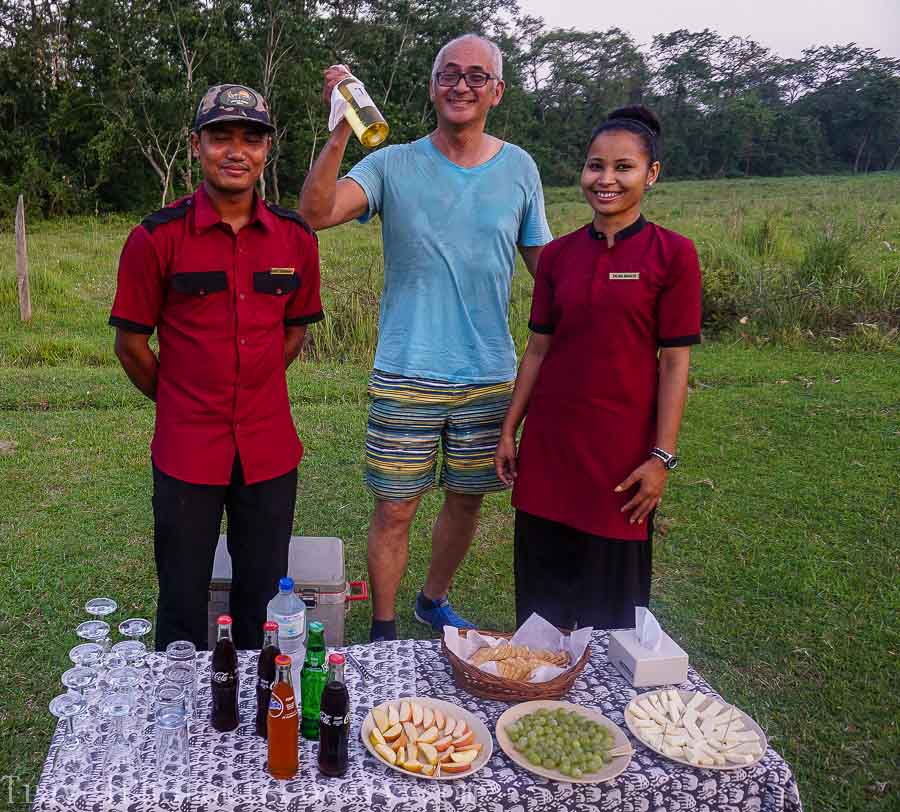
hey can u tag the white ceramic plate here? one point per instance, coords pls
(686, 697)
(611, 770)
(482, 735)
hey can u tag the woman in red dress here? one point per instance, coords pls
(615, 310)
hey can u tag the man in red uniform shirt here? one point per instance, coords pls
(231, 283)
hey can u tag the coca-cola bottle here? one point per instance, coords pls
(265, 675)
(334, 720)
(224, 679)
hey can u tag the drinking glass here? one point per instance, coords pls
(78, 680)
(95, 631)
(125, 681)
(121, 761)
(134, 652)
(73, 759)
(100, 607)
(168, 695)
(173, 760)
(184, 675)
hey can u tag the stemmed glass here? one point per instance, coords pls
(95, 631)
(78, 680)
(133, 651)
(135, 627)
(121, 762)
(100, 607)
(73, 759)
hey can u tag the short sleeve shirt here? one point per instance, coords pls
(220, 302)
(450, 237)
(592, 414)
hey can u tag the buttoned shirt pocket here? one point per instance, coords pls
(197, 301)
(200, 283)
(271, 294)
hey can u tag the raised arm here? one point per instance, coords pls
(326, 201)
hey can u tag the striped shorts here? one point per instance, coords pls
(410, 417)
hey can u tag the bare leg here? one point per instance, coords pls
(450, 540)
(389, 552)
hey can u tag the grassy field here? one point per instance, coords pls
(776, 557)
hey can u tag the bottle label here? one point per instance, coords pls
(291, 627)
(282, 710)
(360, 96)
(334, 721)
(222, 677)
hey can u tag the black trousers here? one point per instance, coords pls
(575, 579)
(187, 519)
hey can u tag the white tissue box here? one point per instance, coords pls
(643, 668)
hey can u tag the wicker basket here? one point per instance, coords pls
(473, 679)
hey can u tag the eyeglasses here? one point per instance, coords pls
(474, 78)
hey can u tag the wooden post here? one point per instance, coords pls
(22, 262)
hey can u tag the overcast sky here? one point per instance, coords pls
(785, 26)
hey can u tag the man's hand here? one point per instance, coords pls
(333, 75)
(138, 360)
(505, 459)
(294, 336)
(653, 476)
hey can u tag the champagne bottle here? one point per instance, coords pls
(362, 115)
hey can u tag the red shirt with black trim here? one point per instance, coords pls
(220, 302)
(592, 415)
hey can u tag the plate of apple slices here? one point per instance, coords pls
(427, 738)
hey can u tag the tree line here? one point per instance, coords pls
(97, 96)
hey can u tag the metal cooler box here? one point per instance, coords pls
(317, 566)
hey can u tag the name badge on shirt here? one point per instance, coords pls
(281, 271)
(623, 275)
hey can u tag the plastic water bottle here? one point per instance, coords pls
(289, 612)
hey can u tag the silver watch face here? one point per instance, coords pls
(672, 463)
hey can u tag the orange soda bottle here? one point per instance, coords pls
(283, 724)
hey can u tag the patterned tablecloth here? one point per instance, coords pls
(228, 770)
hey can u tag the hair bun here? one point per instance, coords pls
(639, 113)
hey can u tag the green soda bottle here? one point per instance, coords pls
(313, 679)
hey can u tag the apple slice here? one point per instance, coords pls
(381, 719)
(465, 757)
(375, 737)
(393, 732)
(442, 744)
(386, 753)
(453, 767)
(439, 720)
(405, 712)
(393, 715)
(449, 725)
(416, 714)
(467, 738)
(476, 747)
(428, 751)
(428, 769)
(445, 756)
(430, 736)
(413, 765)
(427, 717)
(460, 729)
(411, 732)
(399, 742)
(401, 757)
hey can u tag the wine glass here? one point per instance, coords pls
(95, 631)
(89, 655)
(100, 607)
(73, 759)
(121, 761)
(135, 628)
(133, 651)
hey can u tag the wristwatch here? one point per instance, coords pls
(670, 461)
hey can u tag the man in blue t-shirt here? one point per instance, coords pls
(454, 207)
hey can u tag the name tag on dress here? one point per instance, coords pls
(281, 271)
(622, 275)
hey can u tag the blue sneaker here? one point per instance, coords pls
(439, 616)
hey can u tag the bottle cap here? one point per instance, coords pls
(286, 584)
(270, 626)
(317, 626)
(224, 620)
(335, 659)
(282, 659)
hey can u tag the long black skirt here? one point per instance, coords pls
(575, 579)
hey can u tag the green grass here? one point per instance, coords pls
(776, 560)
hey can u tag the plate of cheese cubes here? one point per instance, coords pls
(695, 729)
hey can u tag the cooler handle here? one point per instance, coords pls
(362, 595)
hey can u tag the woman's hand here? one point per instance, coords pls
(505, 459)
(653, 476)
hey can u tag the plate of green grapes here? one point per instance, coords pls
(564, 742)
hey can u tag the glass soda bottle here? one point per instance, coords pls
(224, 679)
(334, 720)
(265, 674)
(312, 680)
(282, 722)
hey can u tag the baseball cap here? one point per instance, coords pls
(232, 103)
